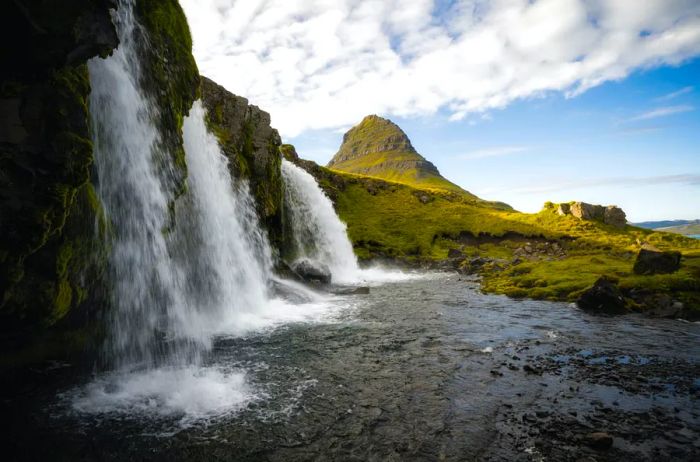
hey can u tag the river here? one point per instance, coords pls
(427, 368)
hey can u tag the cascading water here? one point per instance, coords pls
(177, 278)
(317, 232)
(135, 188)
(320, 236)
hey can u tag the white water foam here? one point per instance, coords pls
(188, 394)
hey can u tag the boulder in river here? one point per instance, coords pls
(312, 272)
(603, 298)
(599, 440)
(657, 262)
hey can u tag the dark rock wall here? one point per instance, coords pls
(252, 147)
(52, 246)
(48, 210)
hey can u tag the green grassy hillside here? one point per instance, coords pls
(542, 255)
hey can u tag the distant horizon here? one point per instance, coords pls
(599, 105)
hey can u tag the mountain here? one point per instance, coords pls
(667, 224)
(378, 148)
(687, 229)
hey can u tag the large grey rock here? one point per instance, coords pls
(312, 272)
(657, 262)
(615, 216)
(585, 211)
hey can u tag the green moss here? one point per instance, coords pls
(170, 76)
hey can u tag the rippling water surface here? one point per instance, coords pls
(421, 369)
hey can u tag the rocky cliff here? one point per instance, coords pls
(377, 147)
(48, 207)
(252, 147)
(52, 246)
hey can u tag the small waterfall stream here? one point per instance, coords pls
(317, 232)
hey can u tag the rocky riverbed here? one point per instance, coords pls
(424, 369)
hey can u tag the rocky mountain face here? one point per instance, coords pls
(377, 147)
(252, 147)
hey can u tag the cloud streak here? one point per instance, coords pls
(548, 187)
(662, 112)
(323, 64)
(675, 94)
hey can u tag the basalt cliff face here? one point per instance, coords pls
(252, 147)
(377, 147)
(49, 215)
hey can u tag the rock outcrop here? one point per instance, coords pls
(377, 147)
(603, 298)
(253, 149)
(656, 262)
(610, 215)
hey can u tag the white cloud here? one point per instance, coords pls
(675, 94)
(318, 64)
(496, 151)
(662, 112)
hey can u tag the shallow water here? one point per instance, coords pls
(421, 369)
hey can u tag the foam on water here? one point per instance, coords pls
(187, 394)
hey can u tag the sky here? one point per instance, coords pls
(520, 101)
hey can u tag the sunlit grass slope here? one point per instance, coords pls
(396, 221)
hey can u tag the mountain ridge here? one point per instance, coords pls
(379, 148)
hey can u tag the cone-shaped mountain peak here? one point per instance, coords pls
(377, 147)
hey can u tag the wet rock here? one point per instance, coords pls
(361, 290)
(455, 253)
(657, 262)
(532, 370)
(599, 440)
(312, 272)
(603, 298)
(662, 306)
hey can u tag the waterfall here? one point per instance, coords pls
(135, 186)
(226, 255)
(318, 234)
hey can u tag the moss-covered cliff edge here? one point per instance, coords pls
(48, 208)
(252, 147)
(53, 245)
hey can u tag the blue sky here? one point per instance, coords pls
(588, 147)
(521, 101)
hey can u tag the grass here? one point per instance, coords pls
(396, 221)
